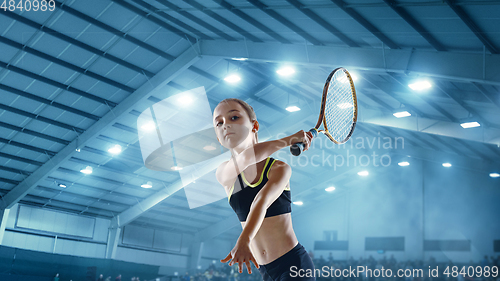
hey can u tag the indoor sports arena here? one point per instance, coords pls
(241, 140)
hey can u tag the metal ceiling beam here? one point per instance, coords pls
(9, 181)
(325, 5)
(417, 26)
(48, 102)
(481, 35)
(285, 22)
(156, 20)
(56, 84)
(434, 105)
(117, 171)
(421, 124)
(15, 171)
(117, 32)
(394, 96)
(181, 24)
(61, 62)
(41, 118)
(270, 77)
(28, 147)
(465, 94)
(251, 21)
(167, 17)
(366, 24)
(109, 181)
(312, 15)
(475, 151)
(460, 102)
(84, 186)
(186, 59)
(33, 133)
(452, 66)
(77, 43)
(56, 192)
(141, 43)
(220, 19)
(494, 98)
(448, 117)
(465, 106)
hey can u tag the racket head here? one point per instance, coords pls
(339, 106)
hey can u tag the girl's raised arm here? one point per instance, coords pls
(228, 171)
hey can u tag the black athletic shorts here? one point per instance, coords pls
(288, 267)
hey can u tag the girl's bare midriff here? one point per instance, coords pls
(274, 238)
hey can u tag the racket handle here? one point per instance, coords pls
(296, 148)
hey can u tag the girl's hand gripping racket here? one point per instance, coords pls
(339, 109)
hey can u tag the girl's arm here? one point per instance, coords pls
(228, 171)
(279, 175)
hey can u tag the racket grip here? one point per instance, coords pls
(296, 148)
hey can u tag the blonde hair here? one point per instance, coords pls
(248, 108)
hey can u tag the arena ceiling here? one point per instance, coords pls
(78, 77)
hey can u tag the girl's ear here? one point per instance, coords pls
(255, 125)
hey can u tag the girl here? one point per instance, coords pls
(258, 191)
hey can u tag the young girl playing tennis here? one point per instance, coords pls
(258, 191)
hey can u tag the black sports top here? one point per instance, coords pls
(241, 197)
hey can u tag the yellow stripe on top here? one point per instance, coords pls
(230, 193)
(261, 175)
(247, 183)
(267, 175)
(287, 186)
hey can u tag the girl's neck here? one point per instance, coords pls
(239, 149)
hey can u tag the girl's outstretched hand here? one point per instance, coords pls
(303, 137)
(241, 254)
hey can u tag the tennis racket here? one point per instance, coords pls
(339, 110)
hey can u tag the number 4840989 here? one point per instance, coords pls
(472, 271)
(28, 5)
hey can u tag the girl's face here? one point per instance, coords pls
(232, 125)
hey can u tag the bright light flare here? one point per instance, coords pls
(285, 71)
(233, 78)
(88, 170)
(115, 149)
(468, 125)
(402, 114)
(420, 85)
(185, 100)
(293, 108)
(147, 185)
(149, 126)
(330, 188)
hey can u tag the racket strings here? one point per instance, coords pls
(339, 107)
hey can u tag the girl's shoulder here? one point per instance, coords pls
(218, 173)
(281, 164)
